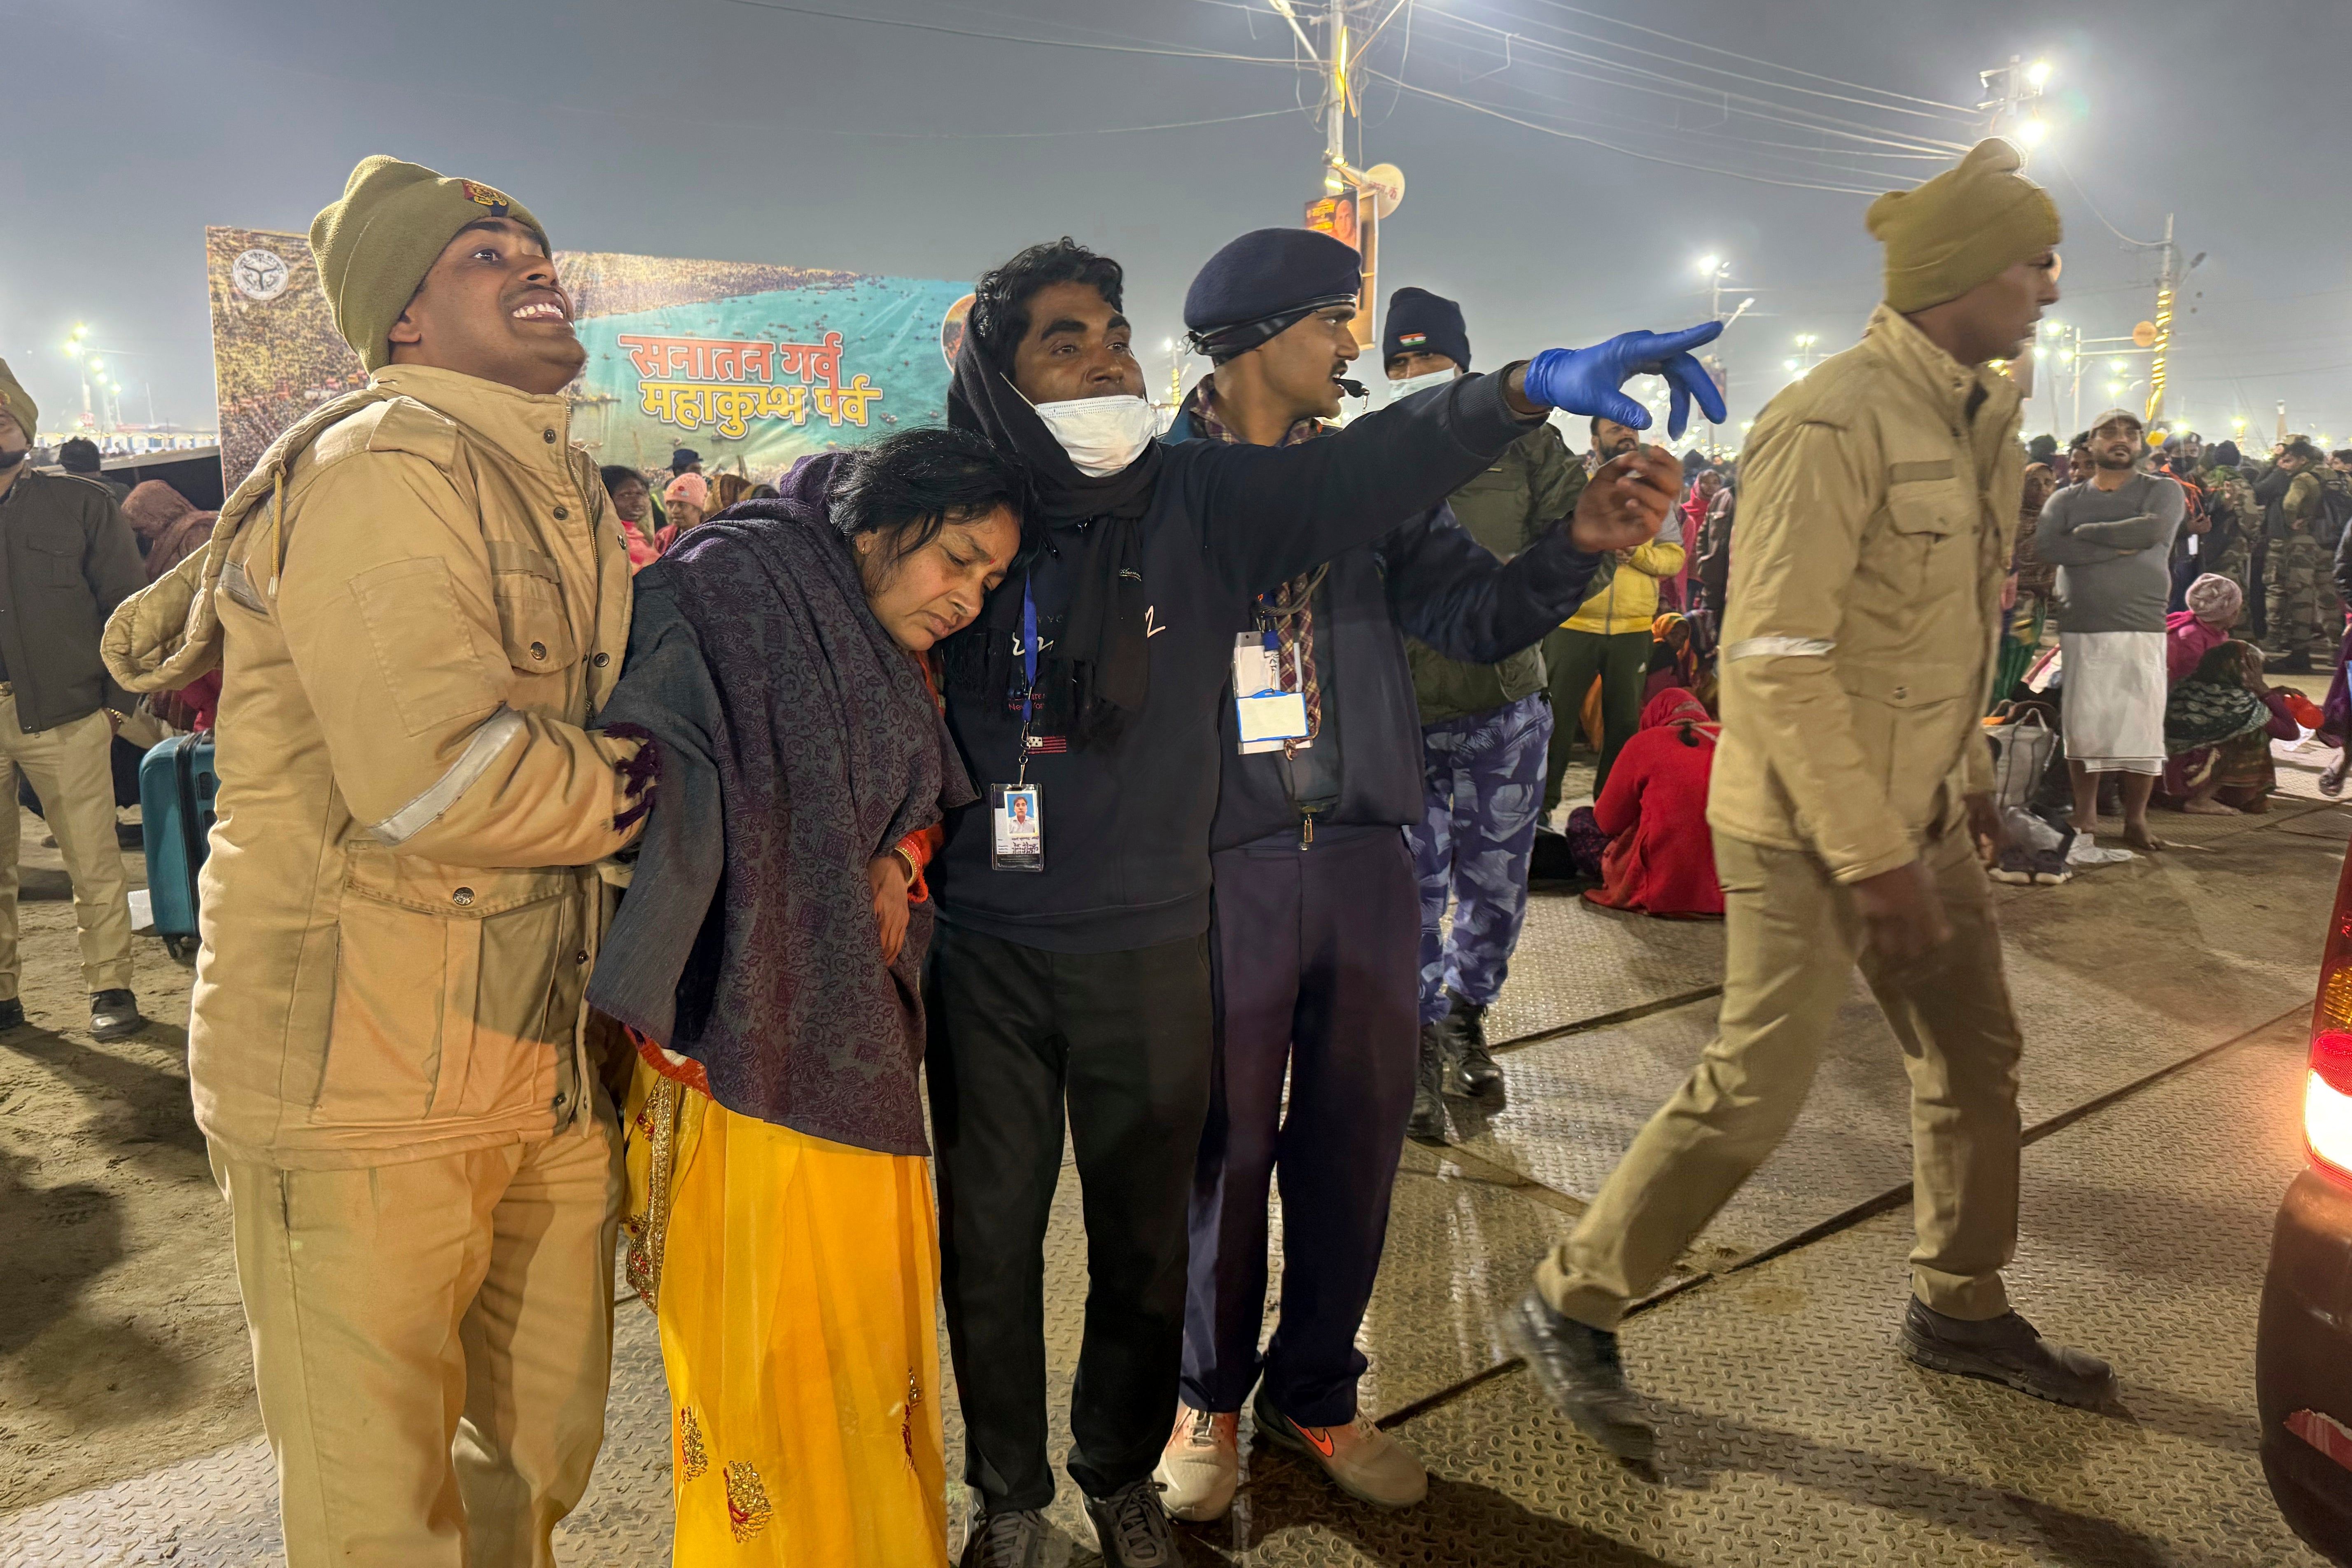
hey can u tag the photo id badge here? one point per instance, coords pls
(1016, 827)
(1268, 717)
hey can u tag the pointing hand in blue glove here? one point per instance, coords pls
(1586, 381)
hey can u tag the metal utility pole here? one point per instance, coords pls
(2012, 93)
(1355, 200)
(2168, 280)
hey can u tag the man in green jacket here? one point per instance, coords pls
(66, 559)
(1484, 729)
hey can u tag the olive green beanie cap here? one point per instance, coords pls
(1970, 222)
(375, 245)
(18, 404)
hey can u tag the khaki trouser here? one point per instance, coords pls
(71, 769)
(431, 1343)
(1793, 938)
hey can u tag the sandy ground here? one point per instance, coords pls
(121, 1342)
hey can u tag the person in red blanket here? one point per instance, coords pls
(1661, 857)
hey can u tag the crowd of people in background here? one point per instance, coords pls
(818, 856)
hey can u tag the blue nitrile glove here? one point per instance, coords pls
(1585, 381)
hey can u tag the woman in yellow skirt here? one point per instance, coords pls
(766, 963)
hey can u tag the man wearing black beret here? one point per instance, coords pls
(1486, 731)
(1071, 974)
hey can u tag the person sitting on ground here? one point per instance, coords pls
(1661, 858)
(768, 963)
(633, 501)
(687, 499)
(2218, 728)
(2215, 603)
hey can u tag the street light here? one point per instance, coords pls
(2119, 365)
(2033, 133)
(2039, 75)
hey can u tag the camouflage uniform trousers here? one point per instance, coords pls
(2304, 612)
(1483, 783)
(2235, 561)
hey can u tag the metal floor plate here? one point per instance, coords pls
(1794, 1434)
(2121, 973)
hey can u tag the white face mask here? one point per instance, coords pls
(1102, 435)
(1399, 389)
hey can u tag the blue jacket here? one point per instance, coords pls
(1427, 579)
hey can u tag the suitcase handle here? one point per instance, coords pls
(184, 773)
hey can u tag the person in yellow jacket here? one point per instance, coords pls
(417, 601)
(1607, 639)
(1852, 788)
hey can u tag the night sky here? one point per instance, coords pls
(720, 128)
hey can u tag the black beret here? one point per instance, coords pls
(1271, 272)
(1421, 322)
(683, 459)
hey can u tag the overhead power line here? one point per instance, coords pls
(1613, 147)
(1955, 111)
(1013, 37)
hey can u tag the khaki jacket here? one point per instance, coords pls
(417, 602)
(1875, 524)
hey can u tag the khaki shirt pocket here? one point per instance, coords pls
(1926, 534)
(453, 987)
(532, 620)
(1911, 723)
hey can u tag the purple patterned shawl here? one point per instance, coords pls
(827, 749)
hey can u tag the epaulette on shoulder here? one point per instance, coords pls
(395, 424)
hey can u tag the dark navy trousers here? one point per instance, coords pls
(1315, 965)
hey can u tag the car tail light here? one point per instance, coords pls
(2327, 1092)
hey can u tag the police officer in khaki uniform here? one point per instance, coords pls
(417, 602)
(1850, 793)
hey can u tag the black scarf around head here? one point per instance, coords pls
(1099, 672)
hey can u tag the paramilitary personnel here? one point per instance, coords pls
(1485, 731)
(1853, 786)
(69, 558)
(417, 602)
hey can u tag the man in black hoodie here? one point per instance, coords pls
(1071, 968)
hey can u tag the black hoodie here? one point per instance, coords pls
(1126, 818)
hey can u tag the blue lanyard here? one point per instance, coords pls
(1029, 640)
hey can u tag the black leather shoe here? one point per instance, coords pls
(12, 1015)
(2005, 1349)
(1476, 1073)
(1427, 1125)
(1130, 1528)
(1575, 1366)
(114, 1015)
(1010, 1538)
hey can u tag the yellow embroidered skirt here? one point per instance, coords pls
(794, 1280)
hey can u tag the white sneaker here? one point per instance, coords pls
(1201, 1465)
(1361, 1460)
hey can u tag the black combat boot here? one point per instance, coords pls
(1427, 1125)
(1474, 1072)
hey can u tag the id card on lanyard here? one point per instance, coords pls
(1268, 717)
(1016, 811)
